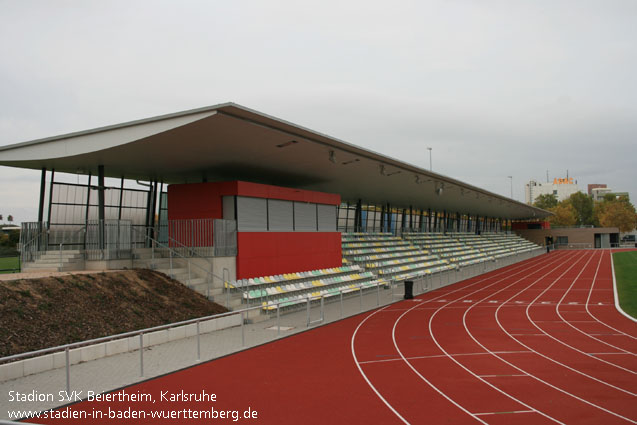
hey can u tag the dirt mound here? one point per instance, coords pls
(40, 313)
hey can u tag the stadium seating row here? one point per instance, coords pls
(370, 259)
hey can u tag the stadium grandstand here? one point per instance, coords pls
(290, 228)
(245, 207)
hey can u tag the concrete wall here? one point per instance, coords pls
(46, 362)
(218, 264)
(575, 235)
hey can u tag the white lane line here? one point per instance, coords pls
(499, 376)
(522, 370)
(590, 292)
(352, 343)
(617, 306)
(360, 370)
(504, 413)
(456, 361)
(548, 358)
(435, 356)
(557, 311)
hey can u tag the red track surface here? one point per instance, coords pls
(537, 342)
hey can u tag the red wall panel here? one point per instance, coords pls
(259, 253)
(204, 200)
(268, 253)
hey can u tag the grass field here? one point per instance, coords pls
(9, 264)
(626, 275)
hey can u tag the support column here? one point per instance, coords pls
(121, 199)
(100, 204)
(88, 206)
(445, 223)
(42, 191)
(152, 212)
(358, 216)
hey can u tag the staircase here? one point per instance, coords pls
(56, 261)
(193, 277)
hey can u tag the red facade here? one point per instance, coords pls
(258, 253)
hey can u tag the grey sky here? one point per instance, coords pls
(497, 88)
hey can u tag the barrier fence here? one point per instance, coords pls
(185, 343)
(116, 239)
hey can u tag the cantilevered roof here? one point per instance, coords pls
(231, 142)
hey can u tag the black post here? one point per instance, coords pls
(444, 221)
(88, 206)
(42, 190)
(154, 208)
(429, 219)
(161, 202)
(358, 216)
(100, 204)
(48, 219)
(121, 199)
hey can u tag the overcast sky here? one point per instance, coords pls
(496, 88)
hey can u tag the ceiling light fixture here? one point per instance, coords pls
(286, 144)
(383, 173)
(350, 161)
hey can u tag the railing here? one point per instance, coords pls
(32, 249)
(195, 233)
(164, 249)
(61, 245)
(115, 239)
(140, 333)
(199, 342)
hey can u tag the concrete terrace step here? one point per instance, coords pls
(51, 268)
(57, 260)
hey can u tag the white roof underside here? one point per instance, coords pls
(231, 142)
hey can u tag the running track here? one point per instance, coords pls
(538, 342)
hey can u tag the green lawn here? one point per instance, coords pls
(626, 275)
(9, 264)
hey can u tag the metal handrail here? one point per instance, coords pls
(93, 341)
(25, 248)
(189, 248)
(209, 274)
(64, 238)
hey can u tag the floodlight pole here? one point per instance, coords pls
(430, 168)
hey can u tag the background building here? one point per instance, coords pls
(599, 193)
(595, 186)
(561, 188)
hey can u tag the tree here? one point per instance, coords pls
(546, 201)
(583, 206)
(564, 215)
(1, 218)
(618, 213)
(10, 218)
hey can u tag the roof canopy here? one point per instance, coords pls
(231, 142)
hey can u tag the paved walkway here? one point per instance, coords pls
(113, 372)
(38, 275)
(110, 373)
